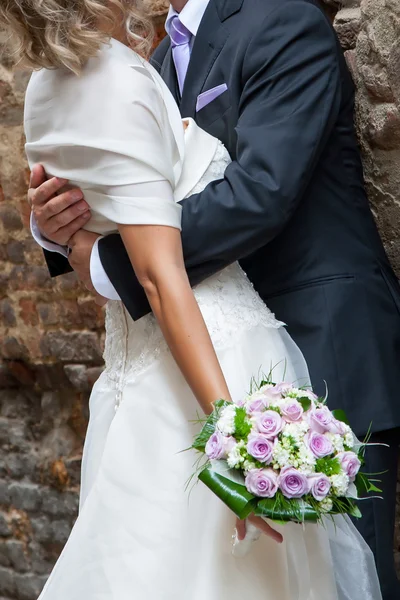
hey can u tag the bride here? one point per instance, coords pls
(99, 116)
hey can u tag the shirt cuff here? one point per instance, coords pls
(99, 277)
(46, 244)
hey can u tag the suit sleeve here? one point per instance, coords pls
(56, 263)
(288, 107)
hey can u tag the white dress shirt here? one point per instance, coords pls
(191, 16)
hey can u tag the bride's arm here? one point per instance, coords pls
(157, 258)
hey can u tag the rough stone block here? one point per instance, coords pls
(19, 438)
(25, 496)
(77, 375)
(17, 555)
(40, 563)
(21, 465)
(7, 582)
(49, 313)
(59, 504)
(10, 218)
(41, 527)
(5, 530)
(28, 311)
(4, 559)
(60, 531)
(14, 349)
(7, 380)
(4, 493)
(16, 251)
(29, 586)
(7, 314)
(72, 347)
(348, 25)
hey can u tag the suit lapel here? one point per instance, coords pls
(210, 39)
(168, 73)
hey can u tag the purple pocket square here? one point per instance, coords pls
(206, 97)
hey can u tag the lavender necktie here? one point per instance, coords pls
(180, 41)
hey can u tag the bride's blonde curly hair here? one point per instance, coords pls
(65, 33)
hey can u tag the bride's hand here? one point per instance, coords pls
(261, 525)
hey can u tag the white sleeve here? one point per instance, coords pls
(46, 244)
(99, 277)
(111, 137)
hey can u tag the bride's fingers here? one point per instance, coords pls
(241, 529)
(266, 529)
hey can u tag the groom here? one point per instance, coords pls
(268, 78)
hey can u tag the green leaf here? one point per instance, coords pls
(208, 428)
(235, 496)
(355, 512)
(346, 506)
(365, 485)
(242, 425)
(373, 488)
(305, 403)
(340, 415)
(286, 510)
(328, 466)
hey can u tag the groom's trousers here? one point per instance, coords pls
(378, 521)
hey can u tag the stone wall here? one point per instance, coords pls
(51, 332)
(50, 347)
(369, 31)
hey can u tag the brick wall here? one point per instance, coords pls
(51, 332)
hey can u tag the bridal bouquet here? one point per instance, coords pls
(282, 454)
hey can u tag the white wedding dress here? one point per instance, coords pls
(141, 534)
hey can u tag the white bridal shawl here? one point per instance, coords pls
(116, 133)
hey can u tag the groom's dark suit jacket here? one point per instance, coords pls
(292, 207)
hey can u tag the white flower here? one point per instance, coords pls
(340, 483)
(234, 457)
(281, 456)
(337, 441)
(248, 465)
(309, 394)
(226, 422)
(326, 505)
(294, 393)
(305, 469)
(349, 439)
(306, 458)
(295, 431)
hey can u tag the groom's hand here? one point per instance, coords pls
(59, 214)
(80, 251)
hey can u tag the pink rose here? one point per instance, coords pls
(218, 446)
(262, 483)
(240, 403)
(350, 463)
(336, 426)
(292, 411)
(292, 483)
(276, 392)
(319, 444)
(319, 486)
(257, 405)
(260, 448)
(269, 423)
(320, 419)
